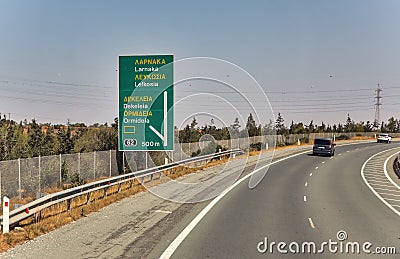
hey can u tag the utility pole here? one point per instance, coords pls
(378, 103)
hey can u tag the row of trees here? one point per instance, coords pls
(31, 139)
(192, 133)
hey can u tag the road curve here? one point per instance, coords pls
(305, 198)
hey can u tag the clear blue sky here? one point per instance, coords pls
(58, 59)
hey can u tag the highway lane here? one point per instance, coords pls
(304, 198)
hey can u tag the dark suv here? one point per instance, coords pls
(324, 146)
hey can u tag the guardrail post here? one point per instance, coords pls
(119, 187)
(6, 215)
(88, 198)
(69, 205)
(38, 216)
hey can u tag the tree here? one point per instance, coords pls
(311, 127)
(66, 142)
(35, 139)
(194, 123)
(268, 128)
(235, 128)
(299, 128)
(392, 125)
(368, 127)
(279, 125)
(349, 126)
(251, 126)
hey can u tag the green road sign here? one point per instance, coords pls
(146, 98)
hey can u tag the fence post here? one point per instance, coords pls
(79, 164)
(60, 170)
(110, 163)
(19, 178)
(123, 162)
(40, 190)
(94, 165)
(6, 215)
(146, 154)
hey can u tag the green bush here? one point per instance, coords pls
(343, 137)
(255, 146)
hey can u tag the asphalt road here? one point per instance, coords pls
(303, 199)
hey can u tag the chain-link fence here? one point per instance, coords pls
(31, 177)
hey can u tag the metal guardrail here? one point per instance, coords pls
(35, 207)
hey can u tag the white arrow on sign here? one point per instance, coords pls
(163, 138)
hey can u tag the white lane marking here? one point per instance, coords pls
(311, 223)
(347, 151)
(384, 185)
(310, 174)
(164, 211)
(390, 194)
(323, 162)
(388, 190)
(376, 177)
(339, 154)
(179, 239)
(306, 184)
(372, 189)
(388, 199)
(377, 181)
(316, 168)
(305, 198)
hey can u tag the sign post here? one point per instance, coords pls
(6, 215)
(146, 98)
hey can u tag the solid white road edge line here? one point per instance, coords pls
(179, 239)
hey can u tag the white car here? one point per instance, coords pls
(384, 138)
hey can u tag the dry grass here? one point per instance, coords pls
(56, 216)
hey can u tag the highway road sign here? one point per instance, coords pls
(146, 98)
